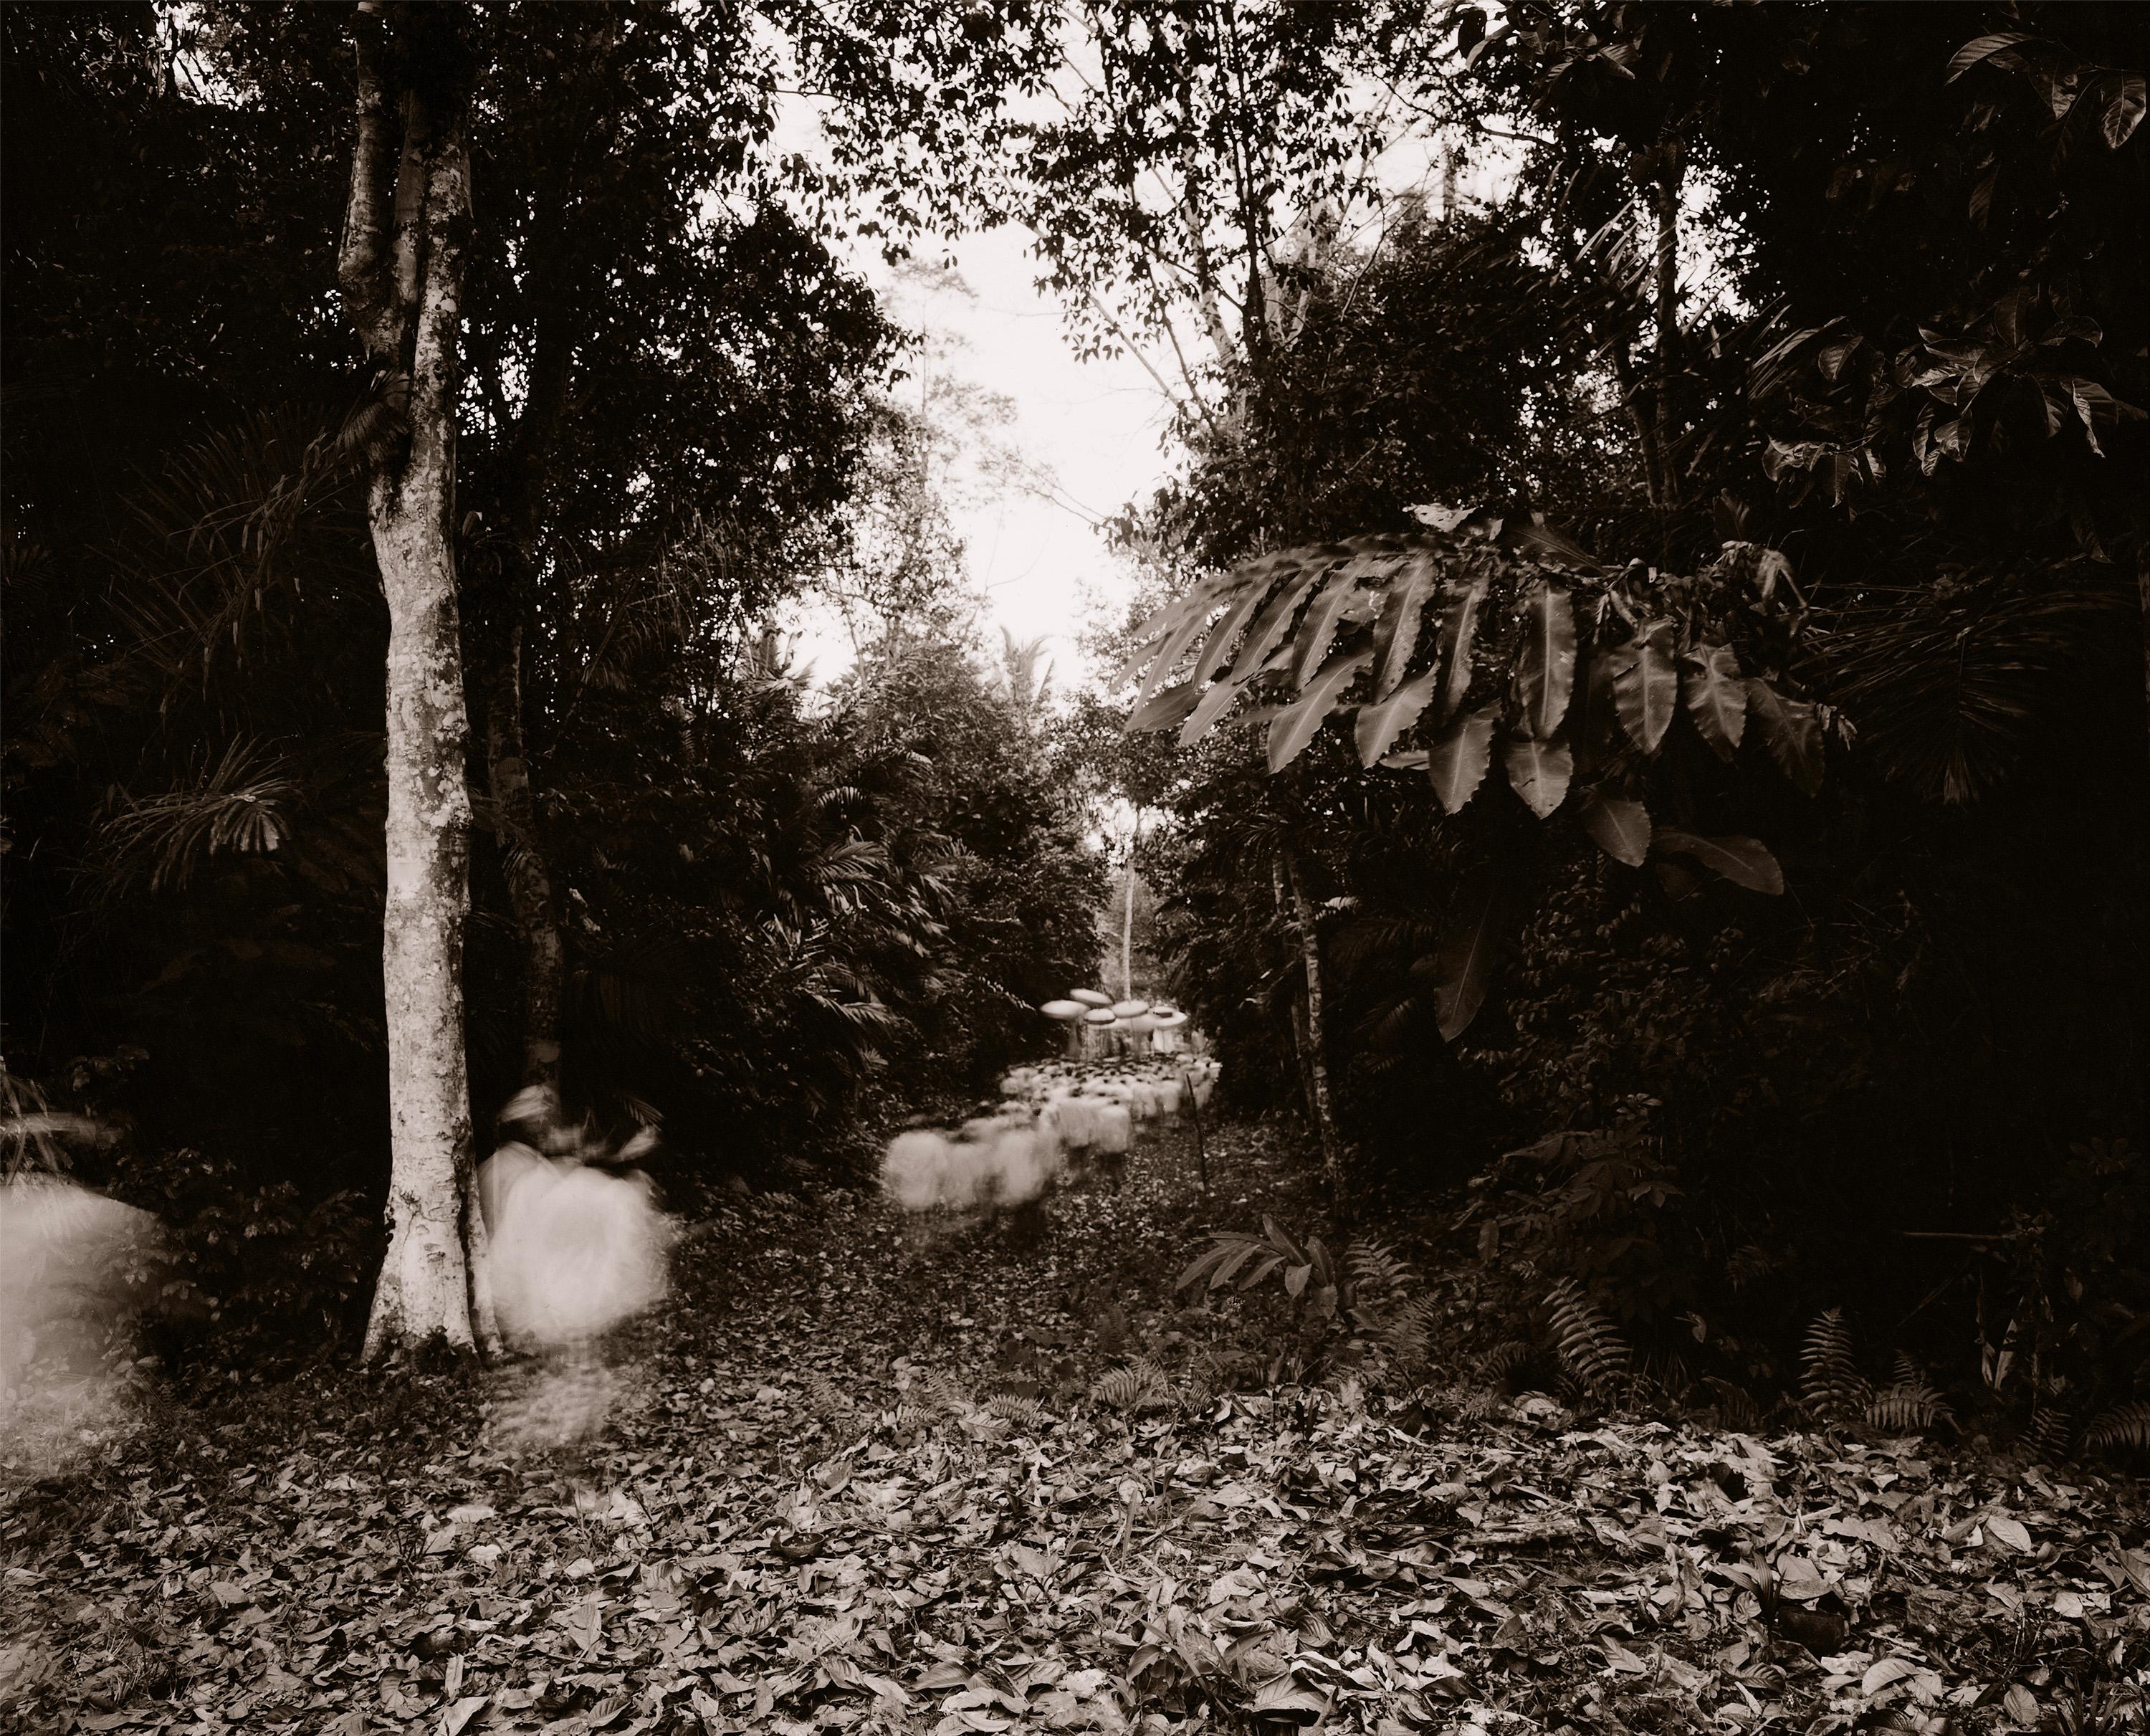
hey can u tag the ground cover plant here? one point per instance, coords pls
(1498, 1086)
(863, 1474)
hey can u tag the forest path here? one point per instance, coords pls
(804, 1510)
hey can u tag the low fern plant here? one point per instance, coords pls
(2122, 1432)
(1829, 1380)
(1911, 1406)
(1836, 1391)
(1592, 1350)
(1139, 1387)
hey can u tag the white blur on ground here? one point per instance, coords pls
(575, 1251)
(75, 1267)
(990, 1163)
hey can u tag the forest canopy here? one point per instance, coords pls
(1634, 719)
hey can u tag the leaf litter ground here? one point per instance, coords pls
(869, 1475)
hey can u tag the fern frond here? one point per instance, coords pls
(1735, 1404)
(2122, 1432)
(1024, 1413)
(1377, 1272)
(1505, 1358)
(946, 1393)
(1408, 1328)
(825, 1398)
(1470, 1403)
(1140, 1386)
(1830, 1380)
(2049, 1431)
(1907, 1408)
(1591, 1348)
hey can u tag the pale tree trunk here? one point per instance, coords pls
(1128, 920)
(1316, 1056)
(402, 288)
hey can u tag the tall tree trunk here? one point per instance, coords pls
(1128, 920)
(509, 604)
(1635, 398)
(1667, 190)
(1317, 1060)
(403, 292)
(2142, 586)
(1282, 903)
(522, 865)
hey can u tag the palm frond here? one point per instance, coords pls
(1950, 686)
(239, 804)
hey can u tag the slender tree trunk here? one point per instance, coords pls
(1633, 397)
(1317, 1060)
(508, 605)
(1666, 189)
(2142, 586)
(1283, 904)
(1128, 921)
(522, 865)
(403, 292)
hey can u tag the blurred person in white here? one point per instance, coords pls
(577, 1247)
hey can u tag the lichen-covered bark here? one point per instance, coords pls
(425, 1286)
(406, 300)
(1317, 1061)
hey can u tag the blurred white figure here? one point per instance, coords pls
(575, 1249)
(76, 1269)
(67, 1256)
(993, 1161)
(914, 1170)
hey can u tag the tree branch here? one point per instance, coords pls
(360, 263)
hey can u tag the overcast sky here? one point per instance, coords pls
(1095, 428)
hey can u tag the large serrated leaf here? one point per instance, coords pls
(1181, 639)
(1227, 631)
(1466, 960)
(1458, 627)
(1154, 626)
(1791, 730)
(1716, 696)
(1744, 861)
(1317, 628)
(1295, 724)
(1379, 723)
(1270, 623)
(1163, 709)
(1547, 672)
(1540, 770)
(1396, 637)
(1646, 685)
(1621, 828)
(1216, 701)
(1456, 761)
(1158, 627)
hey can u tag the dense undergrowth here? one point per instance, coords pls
(876, 1473)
